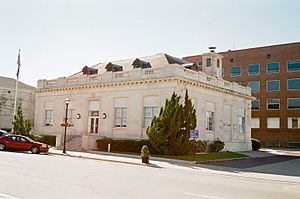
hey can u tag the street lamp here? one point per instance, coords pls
(67, 101)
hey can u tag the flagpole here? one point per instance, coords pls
(16, 90)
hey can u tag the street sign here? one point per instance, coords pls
(194, 133)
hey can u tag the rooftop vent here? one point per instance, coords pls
(212, 49)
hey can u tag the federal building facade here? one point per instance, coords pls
(119, 99)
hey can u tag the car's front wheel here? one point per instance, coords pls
(35, 150)
(2, 147)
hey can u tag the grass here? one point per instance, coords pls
(206, 157)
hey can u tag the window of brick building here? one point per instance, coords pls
(255, 105)
(253, 69)
(293, 122)
(293, 84)
(273, 67)
(273, 122)
(273, 104)
(255, 86)
(255, 122)
(293, 103)
(235, 71)
(273, 85)
(294, 66)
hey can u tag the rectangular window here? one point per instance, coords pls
(235, 71)
(273, 122)
(293, 122)
(294, 66)
(48, 117)
(255, 87)
(218, 63)
(222, 71)
(255, 105)
(273, 104)
(293, 103)
(71, 116)
(149, 113)
(255, 123)
(273, 67)
(293, 84)
(209, 120)
(253, 69)
(273, 85)
(120, 117)
(241, 124)
(208, 62)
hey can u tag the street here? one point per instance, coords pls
(24, 175)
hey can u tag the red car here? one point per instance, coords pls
(21, 143)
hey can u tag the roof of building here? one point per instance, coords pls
(11, 83)
(155, 61)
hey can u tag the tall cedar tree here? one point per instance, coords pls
(21, 126)
(169, 131)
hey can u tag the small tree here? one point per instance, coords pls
(169, 131)
(20, 125)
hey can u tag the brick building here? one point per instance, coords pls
(273, 73)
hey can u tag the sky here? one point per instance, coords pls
(58, 38)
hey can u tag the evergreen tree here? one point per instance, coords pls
(21, 126)
(169, 131)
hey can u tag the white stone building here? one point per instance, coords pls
(25, 100)
(118, 100)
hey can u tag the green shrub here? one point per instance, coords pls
(255, 144)
(216, 146)
(133, 146)
(145, 151)
(198, 146)
(47, 139)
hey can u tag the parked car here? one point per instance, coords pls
(3, 133)
(22, 143)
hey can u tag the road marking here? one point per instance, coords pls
(4, 196)
(204, 196)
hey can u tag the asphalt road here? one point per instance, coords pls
(24, 175)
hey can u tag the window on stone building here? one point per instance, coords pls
(273, 104)
(241, 124)
(293, 103)
(120, 117)
(208, 62)
(255, 105)
(93, 121)
(71, 116)
(235, 71)
(273, 85)
(209, 121)
(48, 117)
(273, 122)
(293, 66)
(294, 84)
(293, 122)
(218, 63)
(273, 67)
(149, 113)
(253, 69)
(255, 86)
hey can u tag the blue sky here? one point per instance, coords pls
(59, 37)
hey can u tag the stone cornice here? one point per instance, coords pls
(147, 81)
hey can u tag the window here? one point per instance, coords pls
(255, 123)
(49, 118)
(253, 69)
(294, 66)
(208, 62)
(71, 116)
(218, 63)
(294, 84)
(293, 103)
(241, 124)
(293, 122)
(149, 113)
(235, 71)
(273, 122)
(273, 85)
(255, 105)
(209, 121)
(93, 121)
(120, 117)
(255, 86)
(273, 104)
(273, 67)
(222, 72)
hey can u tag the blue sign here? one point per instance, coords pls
(194, 133)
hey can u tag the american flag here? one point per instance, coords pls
(19, 64)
